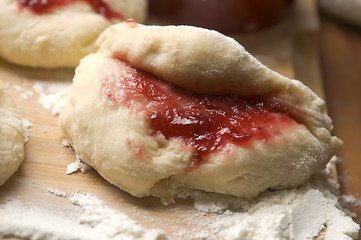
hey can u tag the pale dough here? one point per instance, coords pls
(59, 38)
(349, 10)
(111, 138)
(12, 137)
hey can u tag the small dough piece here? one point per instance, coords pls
(12, 137)
(120, 143)
(61, 37)
(349, 10)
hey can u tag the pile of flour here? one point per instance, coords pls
(289, 214)
(301, 213)
(97, 221)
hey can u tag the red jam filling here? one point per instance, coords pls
(207, 123)
(44, 6)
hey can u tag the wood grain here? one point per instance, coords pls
(340, 49)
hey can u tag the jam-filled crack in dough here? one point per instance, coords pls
(59, 33)
(156, 108)
(12, 137)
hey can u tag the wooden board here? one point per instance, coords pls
(289, 48)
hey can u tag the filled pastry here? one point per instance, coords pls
(59, 33)
(156, 108)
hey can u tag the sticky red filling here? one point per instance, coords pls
(44, 6)
(207, 123)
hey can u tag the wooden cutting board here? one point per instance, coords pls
(289, 48)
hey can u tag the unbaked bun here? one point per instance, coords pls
(12, 137)
(60, 36)
(163, 107)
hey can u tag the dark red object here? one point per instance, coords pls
(228, 16)
(44, 6)
(207, 123)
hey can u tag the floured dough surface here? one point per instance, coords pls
(111, 131)
(60, 37)
(12, 137)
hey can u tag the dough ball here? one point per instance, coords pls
(163, 107)
(60, 36)
(12, 137)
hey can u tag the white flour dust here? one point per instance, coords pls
(97, 221)
(24, 93)
(350, 200)
(294, 214)
(288, 214)
(76, 166)
(26, 125)
(109, 223)
(52, 95)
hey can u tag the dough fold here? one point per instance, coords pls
(203, 61)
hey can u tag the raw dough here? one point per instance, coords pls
(349, 10)
(12, 137)
(120, 144)
(59, 38)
